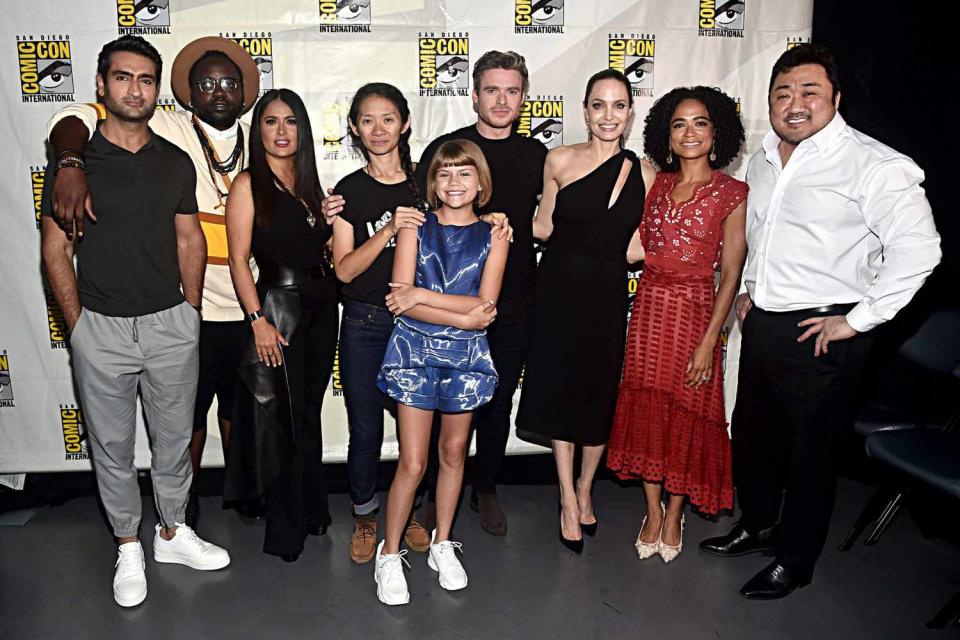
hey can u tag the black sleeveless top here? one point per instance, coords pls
(289, 239)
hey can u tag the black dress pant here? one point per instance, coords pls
(297, 498)
(508, 338)
(791, 412)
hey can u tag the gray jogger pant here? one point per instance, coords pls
(111, 357)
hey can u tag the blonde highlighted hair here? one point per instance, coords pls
(460, 153)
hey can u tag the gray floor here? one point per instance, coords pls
(55, 578)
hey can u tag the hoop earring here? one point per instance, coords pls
(670, 156)
(713, 156)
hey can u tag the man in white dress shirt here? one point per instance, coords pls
(840, 237)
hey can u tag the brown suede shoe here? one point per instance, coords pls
(364, 541)
(492, 518)
(416, 536)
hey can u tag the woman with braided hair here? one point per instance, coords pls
(374, 203)
(380, 199)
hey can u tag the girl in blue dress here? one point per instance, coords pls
(446, 278)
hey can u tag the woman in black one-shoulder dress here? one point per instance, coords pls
(591, 208)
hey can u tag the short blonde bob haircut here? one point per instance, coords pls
(460, 153)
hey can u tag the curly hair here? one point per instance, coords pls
(728, 135)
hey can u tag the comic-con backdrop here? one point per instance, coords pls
(325, 50)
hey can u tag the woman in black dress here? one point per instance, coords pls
(274, 213)
(590, 211)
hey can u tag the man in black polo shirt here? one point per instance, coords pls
(131, 324)
(500, 84)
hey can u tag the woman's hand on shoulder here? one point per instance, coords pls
(406, 218)
(500, 225)
(332, 206)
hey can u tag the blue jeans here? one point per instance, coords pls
(364, 333)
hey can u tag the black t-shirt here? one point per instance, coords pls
(516, 166)
(127, 260)
(370, 206)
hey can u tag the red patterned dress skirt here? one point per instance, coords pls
(663, 430)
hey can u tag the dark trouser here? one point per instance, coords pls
(297, 499)
(221, 344)
(791, 412)
(509, 338)
(363, 340)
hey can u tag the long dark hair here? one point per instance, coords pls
(391, 93)
(609, 74)
(263, 182)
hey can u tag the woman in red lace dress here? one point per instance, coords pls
(669, 428)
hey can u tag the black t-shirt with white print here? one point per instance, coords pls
(369, 207)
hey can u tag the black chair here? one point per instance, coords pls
(935, 350)
(930, 457)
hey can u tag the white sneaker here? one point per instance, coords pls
(130, 579)
(442, 558)
(388, 574)
(186, 547)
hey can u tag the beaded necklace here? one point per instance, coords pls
(213, 163)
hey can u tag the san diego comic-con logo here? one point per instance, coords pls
(143, 17)
(721, 18)
(542, 118)
(336, 382)
(538, 16)
(795, 42)
(337, 143)
(6, 384)
(345, 16)
(46, 68)
(75, 443)
(259, 44)
(56, 323)
(36, 186)
(633, 56)
(167, 103)
(444, 64)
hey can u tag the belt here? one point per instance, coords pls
(824, 310)
(274, 274)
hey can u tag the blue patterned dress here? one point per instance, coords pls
(431, 366)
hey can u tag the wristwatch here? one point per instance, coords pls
(256, 315)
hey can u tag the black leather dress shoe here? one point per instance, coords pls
(739, 542)
(773, 583)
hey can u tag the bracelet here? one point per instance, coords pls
(73, 152)
(71, 162)
(256, 315)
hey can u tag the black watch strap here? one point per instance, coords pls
(256, 315)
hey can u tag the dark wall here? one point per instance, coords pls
(900, 67)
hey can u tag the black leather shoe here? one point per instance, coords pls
(773, 583)
(290, 557)
(252, 509)
(739, 542)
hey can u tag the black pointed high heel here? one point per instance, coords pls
(587, 529)
(574, 545)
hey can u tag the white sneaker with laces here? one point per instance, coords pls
(130, 578)
(186, 547)
(388, 574)
(442, 558)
